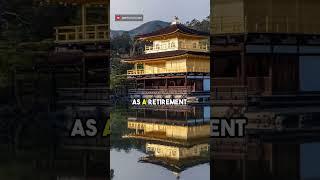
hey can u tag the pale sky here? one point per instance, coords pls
(163, 10)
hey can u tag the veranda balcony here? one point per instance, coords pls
(80, 34)
(182, 46)
(165, 70)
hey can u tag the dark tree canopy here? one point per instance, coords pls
(203, 25)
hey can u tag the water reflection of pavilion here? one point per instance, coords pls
(175, 140)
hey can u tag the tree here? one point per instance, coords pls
(121, 44)
(203, 25)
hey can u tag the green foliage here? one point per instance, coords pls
(118, 76)
(203, 25)
(22, 24)
(119, 127)
(121, 44)
(23, 20)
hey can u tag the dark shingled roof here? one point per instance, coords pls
(165, 55)
(174, 28)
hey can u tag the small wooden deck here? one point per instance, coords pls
(82, 34)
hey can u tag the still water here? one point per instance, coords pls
(126, 166)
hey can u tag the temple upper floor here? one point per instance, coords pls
(172, 44)
(175, 37)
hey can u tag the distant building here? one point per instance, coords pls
(264, 50)
(175, 64)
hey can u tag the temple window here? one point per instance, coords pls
(173, 45)
(194, 45)
(140, 66)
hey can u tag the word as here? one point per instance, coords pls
(88, 128)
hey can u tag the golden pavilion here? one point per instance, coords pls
(175, 64)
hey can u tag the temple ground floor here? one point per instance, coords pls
(194, 87)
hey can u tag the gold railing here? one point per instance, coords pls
(170, 90)
(158, 48)
(88, 33)
(165, 70)
(263, 24)
(181, 46)
(135, 72)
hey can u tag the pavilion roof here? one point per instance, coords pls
(174, 28)
(176, 166)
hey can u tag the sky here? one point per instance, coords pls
(164, 10)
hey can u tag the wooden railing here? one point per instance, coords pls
(192, 47)
(226, 81)
(262, 24)
(83, 96)
(171, 90)
(229, 93)
(165, 70)
(231, 88)
(88, 33)
(228, 25)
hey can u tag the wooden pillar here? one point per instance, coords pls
(136, 84)
(83, 20)
(297, 21)
(53, 90)
(185, 81)
(238, 72)
(85, 163)
(243, 69)
(270, 75)
(166, 83)
(84, 72)
(166, 115)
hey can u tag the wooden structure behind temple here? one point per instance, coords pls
(84, 31)
(78, 63)
(265, 51)
(269, 16)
